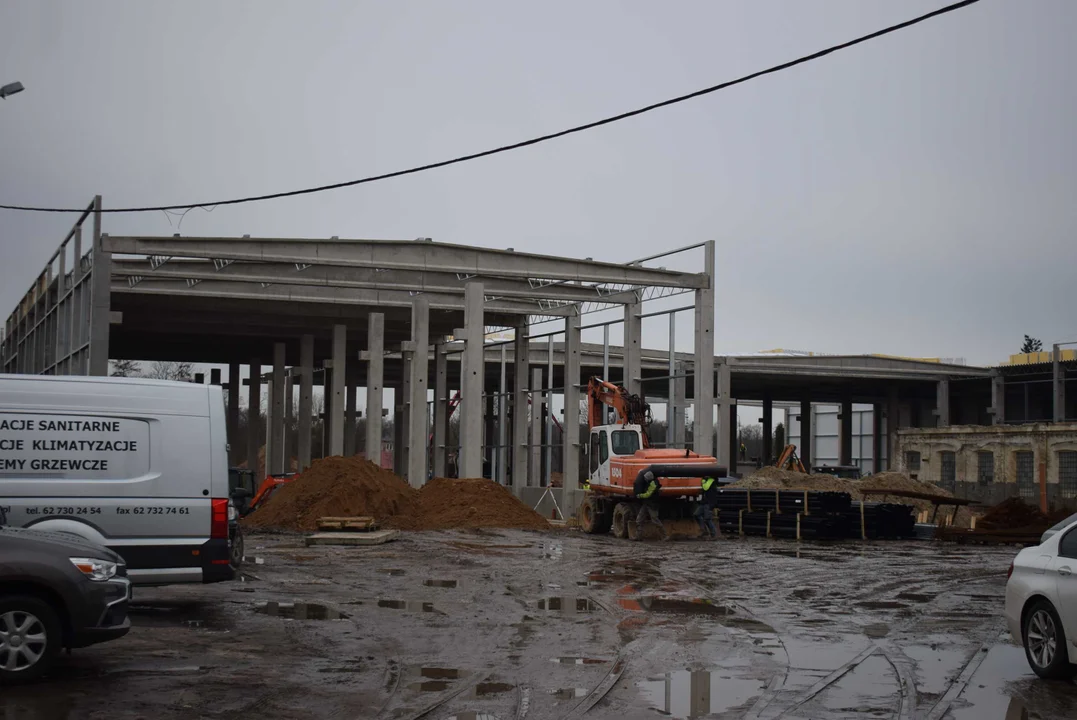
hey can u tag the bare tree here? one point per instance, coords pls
(125, 368)
(163, 370)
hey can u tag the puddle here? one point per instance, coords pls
(570, 693)
(432, 679)
(691, 694)
(188, 614)
(871, 689)
(877, 630)
(568, 605)
(665, 604)
(441, 583)
(882, 605)
(570, 660)
(486, 689)
(808, 653)
(1004, 687)
(409, 605)
(301, 611)
(392, 571)
(917, 597)
(472, 715)
(937, 666)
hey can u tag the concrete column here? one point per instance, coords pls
(270, 438)
(535, 472)
(768, 429)
(275, 439)
(254, 413)
(502, 454)
(845, 432)
(471, 383)
(633, 358)
(336, 407)
(806, 433)
(680, 402)
(442, 398)
(877, 438)
(399, 436)
(942, 403)
(100, 297)
(235, 386)
(726, 415)
(704, 369)
(489, 436)
(375, 384)
(306, 399)
(289, 414)
(998, 400)
(1058, 385)
(521, 356)
(405, 414)
(418, 432)
(893, 422)
(570, 452)
(732, 431)
(350, 401)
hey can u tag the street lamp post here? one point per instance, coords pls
(11, 89)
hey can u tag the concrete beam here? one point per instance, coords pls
(877, 438)
(807, 432)
(100, 297)
(375, 385)
(677, 426)
(893, 422)
(519, 408)
(471, 384)
(768, 430)
(404, 255)
(321, 294)
(502, 453)
(350, 411)
(270, 439)
(633, 343)
(275, 461)
(289, 414)
(570, 453)
(336, 406)
(703, 435)
(420, 363)
(942, 403)
(998, 400)
(425, 281)
(537, 400)
(235, 387)
(306, 400)
(845, 432)
(405, 414)
(254, 420)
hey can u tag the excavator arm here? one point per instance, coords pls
(631, 409)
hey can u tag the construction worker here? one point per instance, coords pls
(646, 489)
(705, 510)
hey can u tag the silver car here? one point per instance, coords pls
(1049, 532)
(1041, 602)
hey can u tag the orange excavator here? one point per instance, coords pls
(619, 452)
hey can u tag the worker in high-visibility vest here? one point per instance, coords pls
(646, 489)
(705, 510)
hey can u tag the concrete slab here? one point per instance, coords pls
(378, 537)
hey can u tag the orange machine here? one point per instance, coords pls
(789, 460)
(618, 453)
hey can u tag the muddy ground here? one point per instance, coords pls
(511, 624)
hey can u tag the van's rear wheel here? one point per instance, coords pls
(236, 558)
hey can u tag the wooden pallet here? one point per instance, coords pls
(347, 524)
(352, 538)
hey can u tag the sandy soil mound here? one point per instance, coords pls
(336, 486)
(771, 478)
(446, 504)
(353, 486)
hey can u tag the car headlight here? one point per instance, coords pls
(97, 570)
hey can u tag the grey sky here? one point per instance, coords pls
(910, 196)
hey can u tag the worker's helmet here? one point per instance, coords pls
(648, 475)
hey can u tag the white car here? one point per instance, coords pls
(1041, 603)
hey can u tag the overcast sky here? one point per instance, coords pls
(914, 196)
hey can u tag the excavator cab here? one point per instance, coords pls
(608, 441)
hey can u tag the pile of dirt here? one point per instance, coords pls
(447, 504)
(771, 478)
(1014, 514)
(336, 486)
(343, 487)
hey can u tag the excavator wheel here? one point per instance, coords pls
(590, 518)
(622, 519)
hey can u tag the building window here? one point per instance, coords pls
(912, 461)
(948, 471)
(985, 471)
(1067, 473)
(1026, 481)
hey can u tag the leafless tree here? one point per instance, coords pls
(125, 368)
(164, 370)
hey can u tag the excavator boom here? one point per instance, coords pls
(631, 409)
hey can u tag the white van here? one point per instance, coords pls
(139, 466)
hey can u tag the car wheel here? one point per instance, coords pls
(30, 638)
(237, 549)
(1045, 642)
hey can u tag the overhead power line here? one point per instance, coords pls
(522, 143)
